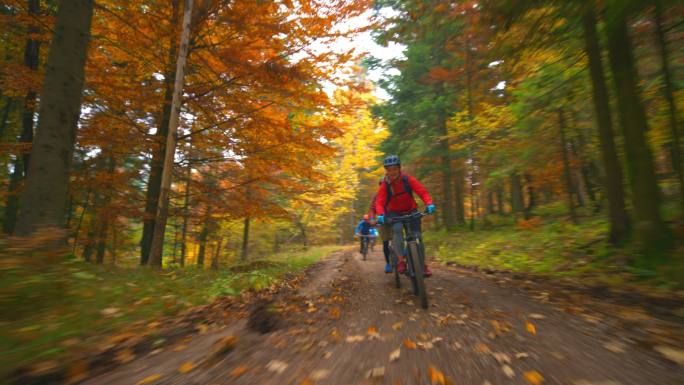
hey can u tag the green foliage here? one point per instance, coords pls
(79, 302)
(555, 247)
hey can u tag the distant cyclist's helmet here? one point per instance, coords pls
(392, 160)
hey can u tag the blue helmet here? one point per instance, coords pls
(392, 160)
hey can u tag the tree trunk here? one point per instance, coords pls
(447, 173)
(203, 235)
(532, 197)
(517, 202)
(104, 216)
(490, 202)
(88, 246)
(459, 196)
(9, 105)
(186, 212)
(217, 253)
(43, 200)
(80, 221)
(619, 219)
(473, 203)
(668, 90)
(158, 147)
(157, 246)
(500, 199)
(245, 241)
(21, 163)
(651, 231)
(12, 203)
(569, 186)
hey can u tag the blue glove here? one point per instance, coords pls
(381, 219)
(431, 209)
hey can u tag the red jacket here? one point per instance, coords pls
(400, 201)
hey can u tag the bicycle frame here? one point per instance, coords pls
(409, 235)
(416, 257)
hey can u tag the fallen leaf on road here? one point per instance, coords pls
(385, 312)
(521, 355)
(319, 374)
(530, 328)
(586, 382)
(373, 333)
(615, 346)
(378, 372)
(437, 339)
(423, 336)
(352, 339)
(500, 327)
(672, 354)
(502, 358)
(436, 376)
(335, 335)
(533, 377)
(220, 348)
(180, 347)
(395, 355)
(537, 316)
(276, 366)
(410, 344)
(186, 367)
(335, 313)
(456, 345)
(202, 328)
(482, 348)
(425, 345)
(239, 371)
(508, 371)
(307, 381)
(149, 379)
(397, 326)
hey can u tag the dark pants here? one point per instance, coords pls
(362, 240)
(386, 250)
(398, 234)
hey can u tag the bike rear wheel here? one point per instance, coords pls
(395, 269)
(417, 279)
(365, 250)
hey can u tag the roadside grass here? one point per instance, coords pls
(549, 244)
(49, 311)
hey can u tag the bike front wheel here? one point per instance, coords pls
(417, 279)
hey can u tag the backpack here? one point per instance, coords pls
(407, 189)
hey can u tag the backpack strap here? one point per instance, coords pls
(407, 185)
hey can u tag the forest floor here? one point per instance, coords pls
(55, 311)
(346, 323)
(550, 245)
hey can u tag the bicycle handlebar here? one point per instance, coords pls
(407, 217)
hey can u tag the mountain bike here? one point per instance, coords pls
(415, 259)
(365, 239)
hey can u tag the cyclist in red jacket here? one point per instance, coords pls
(395, 198)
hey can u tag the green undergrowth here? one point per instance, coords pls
(553, 246)
(47, 311)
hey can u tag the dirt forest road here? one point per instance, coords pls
(352, 326)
